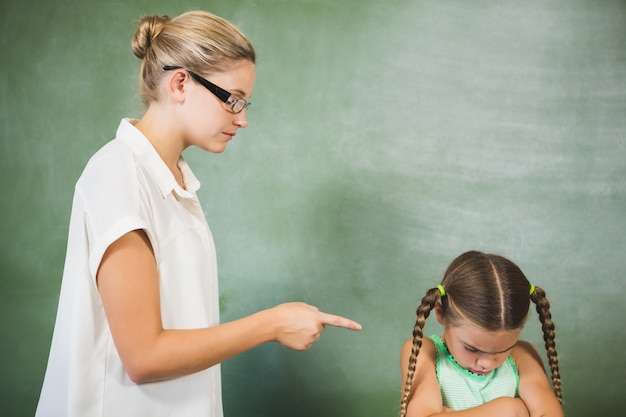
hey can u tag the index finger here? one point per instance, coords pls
(338, 321)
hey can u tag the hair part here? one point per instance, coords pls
(196, 40)
(488, 291)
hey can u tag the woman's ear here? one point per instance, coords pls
(176, 84)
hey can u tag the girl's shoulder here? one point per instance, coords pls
(424, 388)
(525, 354)
(523, 348)
(427, 350)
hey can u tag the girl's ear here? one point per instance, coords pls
(439, 312)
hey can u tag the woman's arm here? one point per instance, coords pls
(534, 387)
(129, 286)
(425, 399)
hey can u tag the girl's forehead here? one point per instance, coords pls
(488, 341)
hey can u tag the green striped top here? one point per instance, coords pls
(462, 389)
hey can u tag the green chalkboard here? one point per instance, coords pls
(385, 138)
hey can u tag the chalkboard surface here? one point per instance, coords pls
(385, 138)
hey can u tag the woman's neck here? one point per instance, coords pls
(165, 139)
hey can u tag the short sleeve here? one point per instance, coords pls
(112, 194)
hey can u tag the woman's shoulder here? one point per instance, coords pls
(113, 160)
(111, 178)
(113, 150)
(118, 152)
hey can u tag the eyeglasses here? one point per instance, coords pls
(235, 104)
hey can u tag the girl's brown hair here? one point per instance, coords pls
(196, 40)
(490, 292)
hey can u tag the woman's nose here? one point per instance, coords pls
(241, 119)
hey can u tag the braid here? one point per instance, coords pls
(423, 311)
(543, 309)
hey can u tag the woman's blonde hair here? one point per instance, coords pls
(196, 40)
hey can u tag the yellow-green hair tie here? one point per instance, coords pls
(441, 290)
(532, 289)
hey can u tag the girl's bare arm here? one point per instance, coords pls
(534, 387)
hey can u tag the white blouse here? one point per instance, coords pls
(126, 186)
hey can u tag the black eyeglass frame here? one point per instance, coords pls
(224, 95)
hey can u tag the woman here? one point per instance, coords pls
(137, 330)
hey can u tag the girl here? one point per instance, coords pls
(137, 330)
(479, 367)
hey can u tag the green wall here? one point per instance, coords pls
(385, 138)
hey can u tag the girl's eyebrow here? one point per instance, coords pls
(490, 353)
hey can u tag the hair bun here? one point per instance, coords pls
(148, 29)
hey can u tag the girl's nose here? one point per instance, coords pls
(486, 362)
